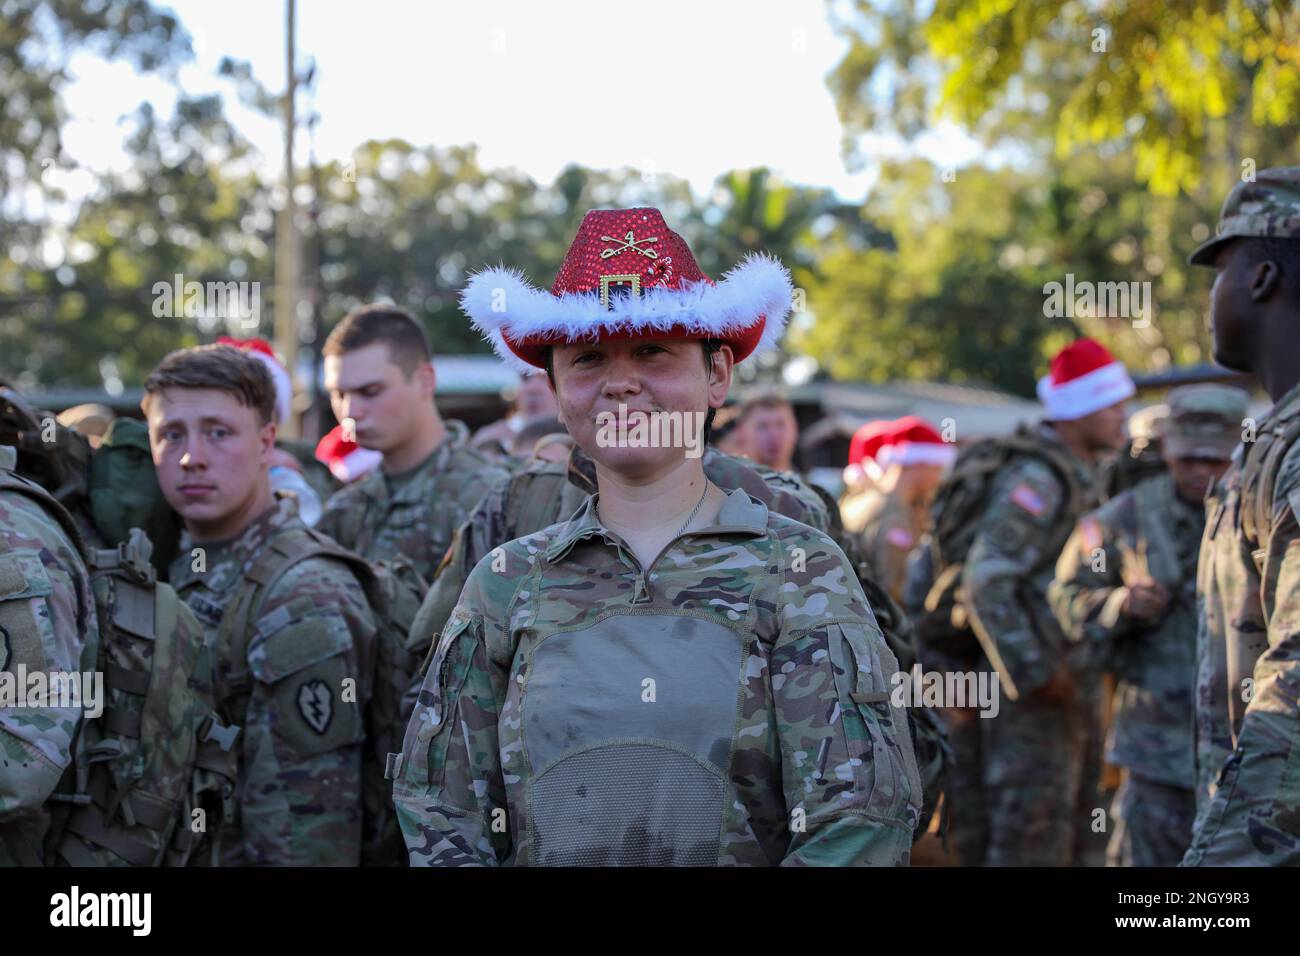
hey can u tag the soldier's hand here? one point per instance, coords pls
(1147, 600)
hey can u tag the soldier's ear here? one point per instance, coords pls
(721, 364)
(1265, 278)
(267, 439)
(427, 376)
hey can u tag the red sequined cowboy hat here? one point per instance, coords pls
(627, 275)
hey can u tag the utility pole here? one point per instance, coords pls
(286, 239)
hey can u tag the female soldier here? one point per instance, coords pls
(675, 675)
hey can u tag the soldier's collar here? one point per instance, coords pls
(457, 435)
(219, 564)
(740, 514)
(281, 514)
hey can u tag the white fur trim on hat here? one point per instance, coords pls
(354, 464)
(501, 300)
(917, 453)
(1100, 388)
(283, 385)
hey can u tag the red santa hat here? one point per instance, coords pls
(346, 460)
(914, 441)
(1085, 378)
(628, 276)
(864, 445)
(261, 350)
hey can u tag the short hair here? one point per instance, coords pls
(763, 400)
(408, 345)
(710, 346)
(219, 367)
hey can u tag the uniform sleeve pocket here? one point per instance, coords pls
(879, 741)
(425, 744)
(314, 695)
(23, 580)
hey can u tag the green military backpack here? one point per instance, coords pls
(114, 486)
(942, 625)
(123, 492)
(394, 591)
(149, 774)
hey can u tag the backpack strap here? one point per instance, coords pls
(535, 507)
(282, 552)
(1263, 460)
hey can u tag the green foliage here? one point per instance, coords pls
(957, 294)
(1175, 82)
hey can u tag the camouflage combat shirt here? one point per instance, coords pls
(298, 784)
(1149, 530)
(728, 704)
(419, 519)
(1248, 681)
(47, 620)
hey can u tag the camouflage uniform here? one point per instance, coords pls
(300, 748)
(1148, 530)
(887, 528)
(541, 493)
(1038, 761)
(1248, 606)
(754, 728)
(1248, 736)
(420, 519)
(47, 624)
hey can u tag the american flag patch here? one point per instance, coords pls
(899, 537)
(1025, 497)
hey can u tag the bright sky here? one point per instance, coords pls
(688, 88)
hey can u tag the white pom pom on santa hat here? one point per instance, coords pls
(261, 350)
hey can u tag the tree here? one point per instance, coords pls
(957, 293)
(1183, 83)
(191, 204)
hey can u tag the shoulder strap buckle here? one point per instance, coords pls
(216, 732)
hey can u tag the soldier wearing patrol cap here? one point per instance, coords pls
(1248, 584)
(1126, 585)
(675, 675)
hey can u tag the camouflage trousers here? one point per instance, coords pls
(1152, 823)
(1024, 786)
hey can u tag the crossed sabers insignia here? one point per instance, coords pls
(629, 244)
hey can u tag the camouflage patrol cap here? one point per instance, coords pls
(1204, 421)
(1267, 207)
